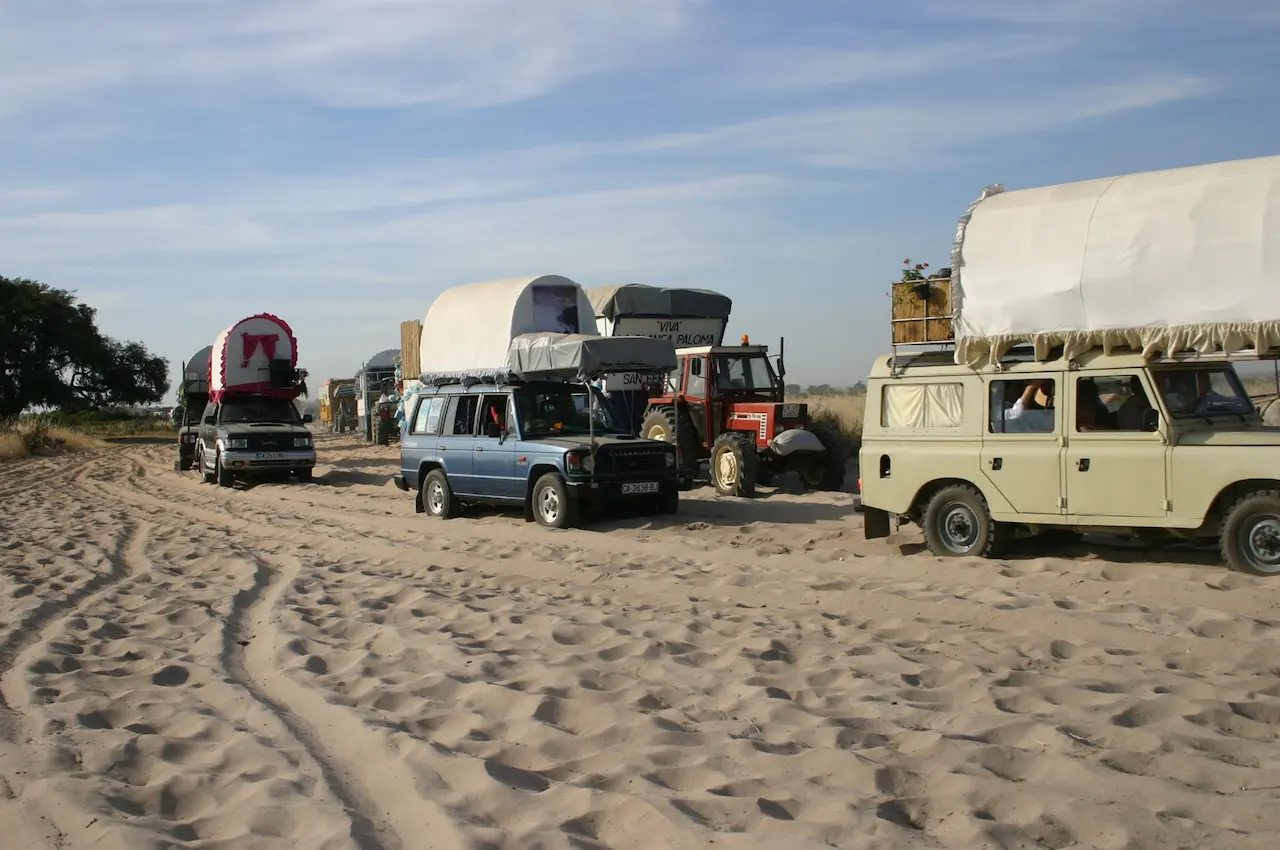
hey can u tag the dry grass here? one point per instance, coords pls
(43, 435)
(840, 414)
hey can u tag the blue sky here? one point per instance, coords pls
(183, 163)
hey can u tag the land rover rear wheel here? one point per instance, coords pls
(437, 496)
(957, 523)
(1251, 535)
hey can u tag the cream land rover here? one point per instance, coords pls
(1106, 442)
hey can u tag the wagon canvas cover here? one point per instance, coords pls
(469, 329)
(1161, 261)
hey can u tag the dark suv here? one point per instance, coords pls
(246, 435)
(529, 444)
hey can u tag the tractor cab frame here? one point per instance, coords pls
(726, 405)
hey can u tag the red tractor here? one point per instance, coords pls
(724, 404)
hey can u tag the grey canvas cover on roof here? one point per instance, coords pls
(196, 371)
(383, 361)
(637, 299)
(575, 356)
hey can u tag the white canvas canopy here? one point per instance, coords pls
(469, 329)
(1161, 261)
(246, 354)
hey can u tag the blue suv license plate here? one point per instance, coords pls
(630, 488)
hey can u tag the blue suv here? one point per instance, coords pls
(529, 444)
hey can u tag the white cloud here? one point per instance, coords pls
(1095, 13)
(796, 69)
(888, 136)
(362, 53)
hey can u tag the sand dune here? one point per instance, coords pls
(316, 666)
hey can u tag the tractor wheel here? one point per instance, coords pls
(827, 470)
(661, 423)
(734, 465)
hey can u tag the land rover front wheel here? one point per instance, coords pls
(437, 496)
(551, 505)
(1251, 534)
(957, 523)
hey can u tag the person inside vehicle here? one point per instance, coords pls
(1032, 413)
(1192, 392)
(1091, 413)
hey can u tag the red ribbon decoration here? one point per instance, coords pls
(251, 342)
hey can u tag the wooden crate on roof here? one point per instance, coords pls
(410, 349)
(921, 312)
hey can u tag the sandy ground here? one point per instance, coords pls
(315, 666)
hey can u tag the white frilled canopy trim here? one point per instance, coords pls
(1186, 259)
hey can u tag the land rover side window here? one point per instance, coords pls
(1110, 403)
(428, 419)
(1203, 392)
(1023, 406)
(462, 415)
(921, 406)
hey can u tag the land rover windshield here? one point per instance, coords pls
(1203, 392)
(260, 410)
(744, 372)
(550, 411)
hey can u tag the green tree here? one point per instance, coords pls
(53, 355)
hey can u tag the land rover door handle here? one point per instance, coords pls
(997, 463)
(479, 448)
(1083, 464)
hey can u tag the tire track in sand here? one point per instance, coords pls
(128, 559)
(382, 816)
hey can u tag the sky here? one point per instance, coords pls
(181, 164)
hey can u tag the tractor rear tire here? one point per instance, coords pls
(735, 466)
(827, 472)
(663, 423)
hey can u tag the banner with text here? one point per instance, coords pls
(683, 333)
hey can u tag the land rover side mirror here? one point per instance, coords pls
(1151, 420)
(307, 419)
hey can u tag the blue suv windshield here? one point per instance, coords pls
(547, 411)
